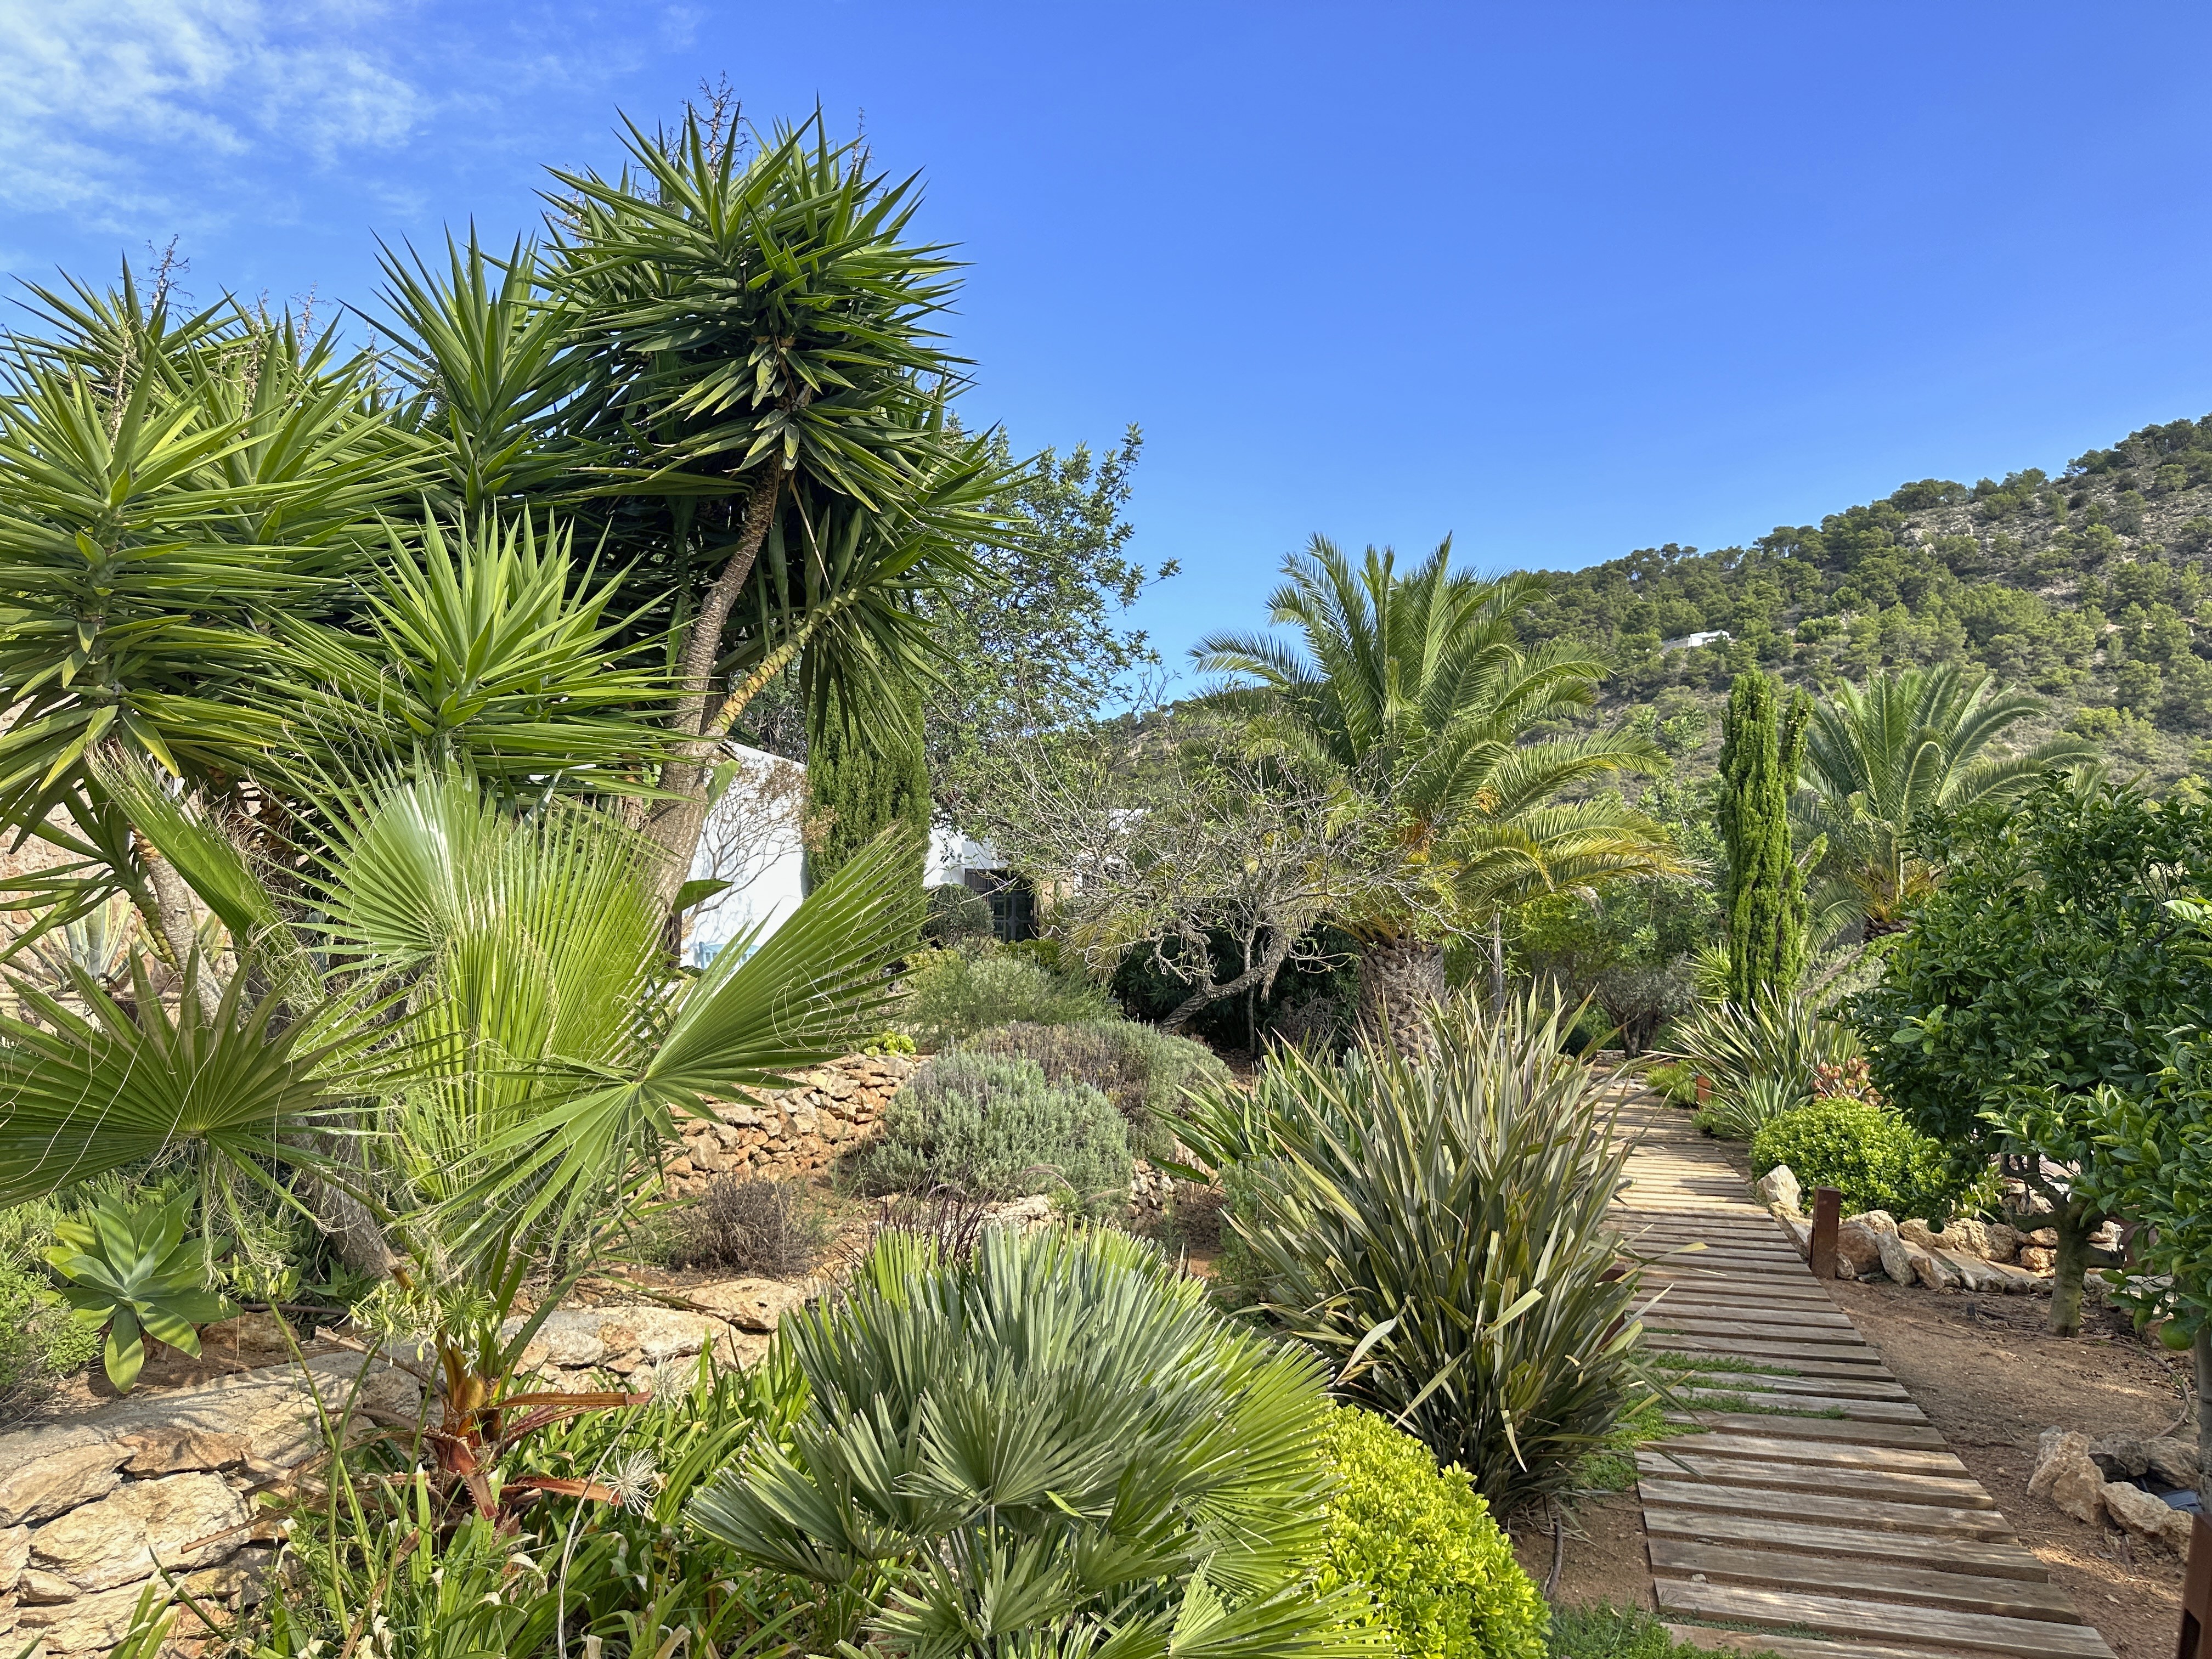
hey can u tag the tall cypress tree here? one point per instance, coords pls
(1761, 749)
(864, 774)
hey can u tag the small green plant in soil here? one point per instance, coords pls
(1610, 1632)
(129, 1269)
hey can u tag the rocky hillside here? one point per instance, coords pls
(2092, 588)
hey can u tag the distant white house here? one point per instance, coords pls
(1691, 641)
(752, 841)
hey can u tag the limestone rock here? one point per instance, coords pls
(1932, 1269)
(2146, 1517)
(2119, 1456)
(1973, 1272)
(579, 1338)
(1778, 1190)
(1878, 1221)
(14, 1555)
(174, 1448)
(180, 1521)
(1919, 1233)
(2035, 1259)
(2172, 1460)
(1858, 1247)
(2044, 1238)
(1897, 1259)
(1799, 1228)
(93, 1624)
(44, 1487)
(2065, 1475)
(750, 1304)
(2003, 1242)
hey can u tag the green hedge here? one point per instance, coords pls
(1441, 1571)
(1875, 1158)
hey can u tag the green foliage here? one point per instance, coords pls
(1881, 755)
(1868, 1153)
(954, 914)
(1052, 1440)
(1678, 1084)
(1421, 1541)
(1763, 1060)
(2046, 975)
(1608, 1633)
(1440, 1228)
(954, 994)
(992, 1127)
(1764, 893)
(889, 1043)
(128, 1268)
(1143, 1071)
(863, 777)
(621, 1571)
(39, 1341)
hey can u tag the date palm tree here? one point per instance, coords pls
(1414, 691)
(1908, 742)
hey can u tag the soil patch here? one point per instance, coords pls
(1988, 1376)
(1604, 1560)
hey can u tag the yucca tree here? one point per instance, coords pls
(1414, 691)
(1908, 742)
(755, 325)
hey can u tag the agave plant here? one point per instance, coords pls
(130, 1268)
(1763, 1060)
(1440, 1230)
(1053, 1446)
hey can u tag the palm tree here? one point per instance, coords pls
(1414, 692)
(1908, 742)
(451, 1034)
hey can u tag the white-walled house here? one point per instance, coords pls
(752, 841)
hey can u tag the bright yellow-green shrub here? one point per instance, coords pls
(1442, 1572)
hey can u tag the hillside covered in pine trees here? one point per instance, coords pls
(2092, 588)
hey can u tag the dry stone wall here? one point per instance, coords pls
(90, 1508)
(795, 1131)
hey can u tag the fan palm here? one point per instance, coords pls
(1908, 742)
(456, 1014)
(1414, 691)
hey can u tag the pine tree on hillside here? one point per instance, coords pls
(1761, 749)
(862, 776)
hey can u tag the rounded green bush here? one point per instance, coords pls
(953, 913)
(1873, 1156)
(954, 994)
(1440, 1570)
(993, 1127)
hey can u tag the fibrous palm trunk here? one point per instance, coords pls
(1401, 980)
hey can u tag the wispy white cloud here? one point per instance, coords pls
(108, 108)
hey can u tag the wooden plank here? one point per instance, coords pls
(1805, 1362)
(1707, 1305)
(1751, 1326)
(1816, 1428)
(2025, 1638)
(1841, 1387)
(1799, 1647)
(1696, 1397)
(1882, 1485)
(1992, 1558)
(1776, 1448)
(1882, 1581)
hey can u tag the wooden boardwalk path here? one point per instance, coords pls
(1807, 1494)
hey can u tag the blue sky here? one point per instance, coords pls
(1562, 280)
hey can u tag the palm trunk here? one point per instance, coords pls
(676, 825)
(1401, 980)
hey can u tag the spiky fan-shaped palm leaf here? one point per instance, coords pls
(1912, 741)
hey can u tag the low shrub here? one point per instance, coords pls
(39, 1342)
(1873, 1156)
(1743, 1108)
(954, 913)
(1049, 1444)
(1422, 1543)
(1141, 1068)
(751, 1225)
(955, 993)
(1443, 1226)
(992, 1126)
(1609, 1632)
(1677, 1084)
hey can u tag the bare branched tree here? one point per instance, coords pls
(757, 818)
(1218, 846)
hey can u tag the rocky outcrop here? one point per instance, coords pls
(91, 1508)
(795, 1131)
(2071, 1471)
